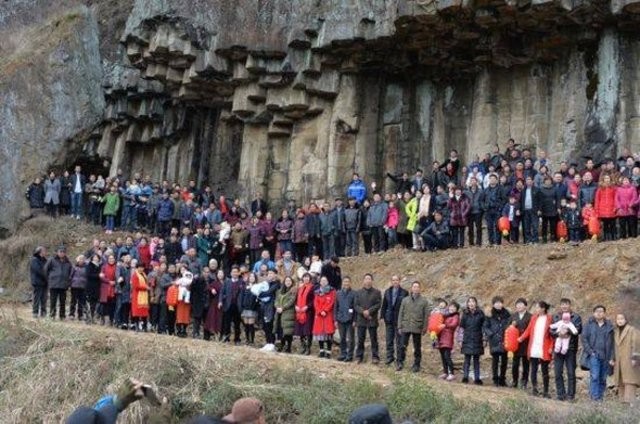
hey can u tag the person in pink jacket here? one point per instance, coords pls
(391, 225)
(626, 205)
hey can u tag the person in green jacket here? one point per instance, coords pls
(204, 245)
(412, 322)
(411, 210)
(111, 206)
(285, 314)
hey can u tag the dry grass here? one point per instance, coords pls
(56, 367)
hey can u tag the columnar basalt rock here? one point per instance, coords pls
(288, 98)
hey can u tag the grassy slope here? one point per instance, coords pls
(47, 369)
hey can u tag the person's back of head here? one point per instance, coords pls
(371, 414)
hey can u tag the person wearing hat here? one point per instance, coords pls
(246, 411)
(58, 273)
(39, 281)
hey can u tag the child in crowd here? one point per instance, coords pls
(184, 283)
(512, 211)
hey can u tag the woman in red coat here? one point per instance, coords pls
(540, 346)
(144, 253)
(139, 297)
(323, 323)
(108, 290)
(605, 206)
(446, 340)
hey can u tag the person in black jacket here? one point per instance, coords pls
(344, 316)
(402, 181)
(389, 313)
(493, 329)
(549, 205)
(521, 318)
(331, 270)
(568, 360)
(472, 347)
(530, 207)
(229, 306)
(492, 201)
(39, 282)
(35, 196)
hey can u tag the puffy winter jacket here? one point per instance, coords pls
(37, 272)
(605, 202)
(493, 199)
(626, 200)
(352, 218)
(446, 336)
(587, 194)
(357, 190)
(472, 323)
(549, 201)
(459, 211)
(58, 273)
(377, 215)
(412, 214)
(494, 328)
(165, 210)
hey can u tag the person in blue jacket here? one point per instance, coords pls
(357, 189)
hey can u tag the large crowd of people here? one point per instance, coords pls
(196, 262)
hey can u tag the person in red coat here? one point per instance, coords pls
(459, 206)
(323, 325)
(108, 290)
(144, 253)
(626, 204)
(139, 297)
(540, 346)
(446, 339)
(605, 206)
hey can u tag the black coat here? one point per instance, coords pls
(230, 293)
(333, 274)
(93, 282)
(535, 199)
(199, 297)
(173, 251)
(472, 324)
(494, 327)
(35, 195)
(389, 310)
(549, 201)
(522, 325)
(36, 270)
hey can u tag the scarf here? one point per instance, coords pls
(301, 302)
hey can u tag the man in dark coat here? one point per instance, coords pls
(521, 317)
(530, 206)
(492, 201)
(35, 196)
(568, 360)
(389, 313)
(259, 205)
(493, 330)
(39, 281)
(367, 304)
(344, 316)
(549, 205)
(58, 272)
(332, 271)
(229, 306)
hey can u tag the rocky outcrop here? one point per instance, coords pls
(50, 100)
(289, 98)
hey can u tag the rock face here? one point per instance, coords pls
(289, 98)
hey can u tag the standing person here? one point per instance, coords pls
(39, 282)
(52, 187)
(108, 290)
(391, 225)
(229, 305)
(323, 324)
(199, 301)
(492, 201)
(540, 347)
(389, 313)
(285, 314)
(605, 206)
(626, 369)
(344, 320)
(300, 236)
(357, 189)
(304, 313)
(123, 292)
(328, 229)
(284, 228)
(78, 181)
(598, 342)
(341, 229)
(459, 207)
(530, 208)
(367, 304)
(35, 196)
(165, 212)
(78, 288)
(411, 323)
(521, 318)
(376, 218)
(472, 348)
(93, 286)
(549, 206)
(111, 207)
(139, 297)
(364, 229)
(248, 305)
(474, 194)
(626, 208)
(58, 271)
(183, 307)
(269, 231)
(568, 359)
(446, 339)
(267, 299)
(493, 329)
(213, 321)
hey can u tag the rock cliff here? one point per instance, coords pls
(288, 98)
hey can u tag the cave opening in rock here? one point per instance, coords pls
(91, 165)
